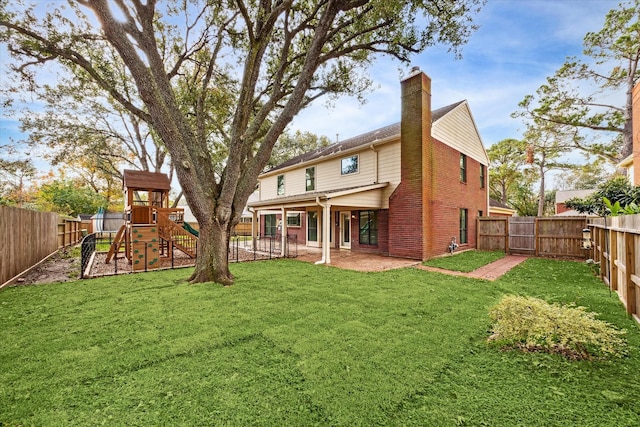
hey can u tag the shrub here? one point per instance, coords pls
(532, 324)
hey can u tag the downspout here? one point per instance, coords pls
(375, 163)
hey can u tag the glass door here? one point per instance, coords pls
(345, 230)
(312, 228)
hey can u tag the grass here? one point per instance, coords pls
(466, 261)
(298, 344)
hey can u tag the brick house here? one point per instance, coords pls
(403, 190)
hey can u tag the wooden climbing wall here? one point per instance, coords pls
(144, 247)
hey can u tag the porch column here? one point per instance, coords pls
(283, 231)
(326, 232)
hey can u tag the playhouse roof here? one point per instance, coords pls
(143, 180)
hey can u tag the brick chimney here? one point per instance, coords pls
(409, 213)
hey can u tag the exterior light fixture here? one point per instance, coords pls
(586, 239)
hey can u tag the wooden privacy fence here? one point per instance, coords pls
(538, 236)
(616, 250)
(27, 237)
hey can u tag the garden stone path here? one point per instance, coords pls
(490, 271)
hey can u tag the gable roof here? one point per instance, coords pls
(564, 195)
(144, 180)
(381, 134)
(498, 204)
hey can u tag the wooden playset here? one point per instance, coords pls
(152, 229)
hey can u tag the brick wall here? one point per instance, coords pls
(449, 195)
(383, 234)
(561, 207)
(424, 210)
(408, 217)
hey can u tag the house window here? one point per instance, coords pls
(349, 165)
(293, 219)
(463, 168)
(368, 227)
(481, 176)
(270, 225)
(464, 215)
(280, 185)
(310, 174)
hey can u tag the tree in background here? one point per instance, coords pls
(507, 159)
(13, 174)
(81, 129)
(67, 197)
(292, 145)
(561, 100)
(586, 176)
(278, 56)
(547, 143)
(616, 190)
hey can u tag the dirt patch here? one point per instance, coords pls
(63, 266)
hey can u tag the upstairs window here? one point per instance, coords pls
(349, 165)
(482, 170)
(463, 168)
(280, 185)
(310, 176)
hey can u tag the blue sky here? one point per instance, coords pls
(519, 44)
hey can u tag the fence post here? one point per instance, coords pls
(630, 250)
(613, 260)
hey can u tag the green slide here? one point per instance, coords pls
(190, 229)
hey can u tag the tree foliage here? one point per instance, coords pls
(617, 190)
(68, 198)
(265, 60)
(13, 174)
(579, 95)
(585, 176)
(507, 162)
(290, 145)
(547, 144)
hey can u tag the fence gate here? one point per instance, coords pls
(522, 235)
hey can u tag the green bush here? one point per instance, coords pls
(532, 324)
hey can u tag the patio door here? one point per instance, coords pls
(313, 228)
(345, 230)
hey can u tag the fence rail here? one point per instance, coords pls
(538, 236)
(616, 249)
(27, 237)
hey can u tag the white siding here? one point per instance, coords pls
(458, 130)
(389, 169)
(329, 176)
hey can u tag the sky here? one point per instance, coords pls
(519, 44)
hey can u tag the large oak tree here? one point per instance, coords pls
(274, 56)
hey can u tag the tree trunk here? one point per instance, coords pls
(541, 195)
(212, 263)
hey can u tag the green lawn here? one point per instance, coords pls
(466, 261)
(298, 344)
